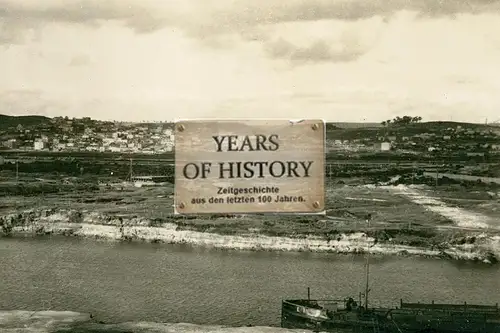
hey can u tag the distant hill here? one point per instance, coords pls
(25, 121)
(355, 125)
(347, 129)
(442, 125)
(9, 121)
(401, 130)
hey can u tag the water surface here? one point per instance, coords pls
(120, 282)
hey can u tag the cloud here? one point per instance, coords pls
(201, 18)
(216, 23)
(244, 16)
(324, 41)
(18, 17)
(82, 11)
(318, 51)
(27, 102)
(79, 60)
(138, 59)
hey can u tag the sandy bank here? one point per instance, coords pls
(66, 321)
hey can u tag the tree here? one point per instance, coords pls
(405, 120)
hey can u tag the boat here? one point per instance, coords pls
(332, 315)
(348, 315)
(140, 181)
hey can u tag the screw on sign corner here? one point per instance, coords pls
(181, 205)
(181, 128)
(315, 127)
(316, 204)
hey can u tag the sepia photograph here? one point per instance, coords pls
(220, 166)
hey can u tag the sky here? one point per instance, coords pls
(339, 60)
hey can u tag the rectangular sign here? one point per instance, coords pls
(249, 166)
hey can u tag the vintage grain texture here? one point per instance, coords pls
(301, 148)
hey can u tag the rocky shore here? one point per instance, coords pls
(475, 246)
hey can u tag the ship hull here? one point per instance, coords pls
(298, 315)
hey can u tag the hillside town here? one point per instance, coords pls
(85, 134)
(62, 134)
(449, 139)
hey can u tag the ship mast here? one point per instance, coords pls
(130, 170)
(367, 290)
(367, 286)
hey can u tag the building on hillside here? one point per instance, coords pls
(475, 154)
(169, 147)
(11, 143)
(38, 145)
(385, 146)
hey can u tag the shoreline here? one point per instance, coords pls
(478, 248)
(451, 223)
(51, 321)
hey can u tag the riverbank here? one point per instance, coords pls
(76, 322)
(385, 220)
(477, 248)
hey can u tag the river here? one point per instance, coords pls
(174, 283)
